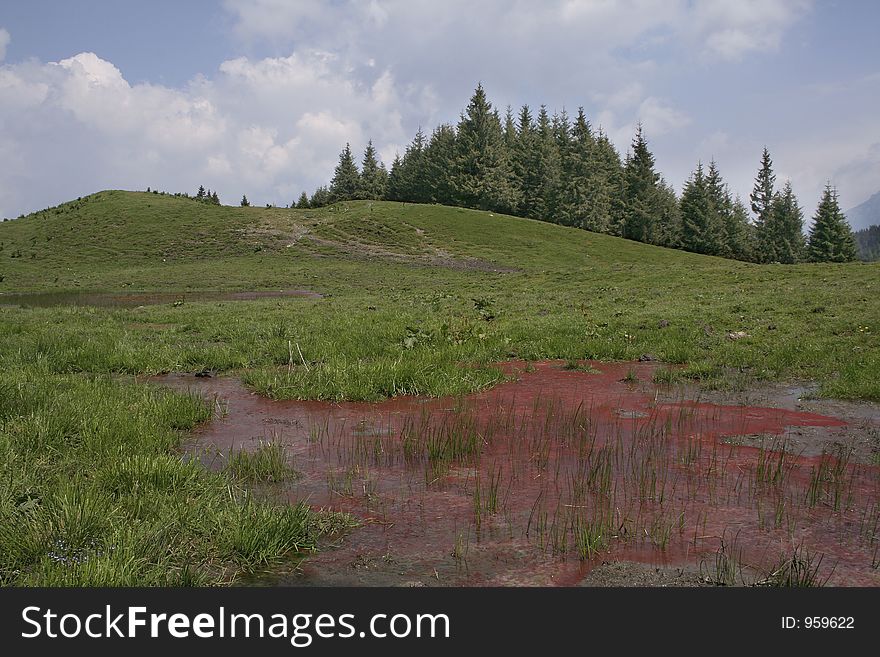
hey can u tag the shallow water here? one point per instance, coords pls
(134, 299)
(539, 479)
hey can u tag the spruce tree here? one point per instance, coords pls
(214, 198)
(783, 229)
(762, 203)
(583, 199)
(525, 174)
(415, 183)
(611, 172)
(640, 191)
(739, 233)
(697, 220)
(548, 167)
(303, 202)
(373, 178)
(346, 178)
(481, 176)
(394, 190)
(320, 197)
(831, 239)
(201, 193)
(439, 159)
(244, 201)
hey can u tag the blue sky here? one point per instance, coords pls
(258, 97)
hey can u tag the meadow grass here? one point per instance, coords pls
(94, 491)
(417, 299)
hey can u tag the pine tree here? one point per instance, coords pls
(640, 192)
(831, 239)
(762, 203)
(346, 178)
(320, 197)
(668, 226)
(578, 206)
(214, 198)
(415, 182)
(244, 201)
(373, 179)
(611, 174)
(303, 202)
(439, 159)
(394, 191)
(201, 193)
(481, 175)
(697, 210)
(783, 229)
(739, 233)
(525, 175)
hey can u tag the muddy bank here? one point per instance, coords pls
(543, 479)
(859, 436)
(135, 299)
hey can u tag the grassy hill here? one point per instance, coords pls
(94, 491)
(405, 282)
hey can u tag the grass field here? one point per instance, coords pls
(410, 293)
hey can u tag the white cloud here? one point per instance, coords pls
(733, 29)
(659, 117)
(268, 128)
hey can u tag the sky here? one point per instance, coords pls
(258, 97)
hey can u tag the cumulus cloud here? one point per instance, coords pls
(269, 128)
(327, 73)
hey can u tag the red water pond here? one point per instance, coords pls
(537, 480)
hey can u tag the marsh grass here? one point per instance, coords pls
(93, 492)
(267, 464)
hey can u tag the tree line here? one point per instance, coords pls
(559, 169)
(868, 241)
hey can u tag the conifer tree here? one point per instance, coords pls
(640, 191)
(697, 220)
(214, 198)
(831, 239)
(739, 233)
(346, 178)
(303, 202)
(548, 167)
(523, 161)
(414, 182)
(582, 201)
(395, 190)
(783, 237)
(610, 169)
(667, 231)
(762, 202)
(439, 163)
(509, 133)
(320, 197)
(244, 201)
(373, 178)
(481, 174)
(201, 193)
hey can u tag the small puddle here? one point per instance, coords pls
(540, 479)
(135, 299)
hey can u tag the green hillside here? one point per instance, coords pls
(94, 490)
(402, 274)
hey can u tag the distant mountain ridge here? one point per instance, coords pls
(866, 214)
